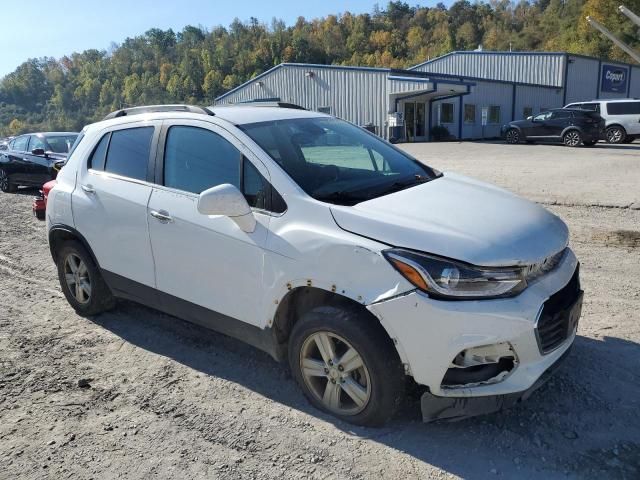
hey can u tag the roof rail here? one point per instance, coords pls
(158, 108)
(268, 103)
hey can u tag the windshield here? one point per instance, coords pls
(335, 161)
(60, 143)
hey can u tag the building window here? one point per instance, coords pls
(469, 113)
(326, 110)
(527, 112)
(446, 113)
(494, 114)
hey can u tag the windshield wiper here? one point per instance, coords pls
(341, 198)
(402, 185)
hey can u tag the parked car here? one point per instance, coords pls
(322, 244)
(621, 116)
(39, 205)
(571, 127)
(30, 159)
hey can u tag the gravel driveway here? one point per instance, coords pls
(138, 394)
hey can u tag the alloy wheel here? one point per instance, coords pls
(335, 373)
(513, 136)
(572, 138)
(615, 135)
(77, 277)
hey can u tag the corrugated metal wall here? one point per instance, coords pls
(582, 79)
(536, 98)
(541, 69)
(634, 90)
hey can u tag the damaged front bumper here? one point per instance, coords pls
(479, 356)
(457, 408)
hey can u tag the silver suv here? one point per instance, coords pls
(622, 117)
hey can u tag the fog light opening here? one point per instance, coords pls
(481, 366)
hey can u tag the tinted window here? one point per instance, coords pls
(99, 154)
(594, 107)
(35, 142)
(20, 143)
(469, 113)
(446, 113)
(254, 186)
(494, 114)
(527, 112)
(557, 115)
(128, 153)
(60, 143)
(196, 159)
(623, 108)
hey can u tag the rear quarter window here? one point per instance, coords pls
(623, 108)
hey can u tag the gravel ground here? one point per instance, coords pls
(138, 394)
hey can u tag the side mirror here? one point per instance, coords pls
(38, 151)
(227, 200)
(530, 117)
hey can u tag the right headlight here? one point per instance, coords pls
(444, 278)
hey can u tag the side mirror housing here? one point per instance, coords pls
(38, 151)
(227, 200)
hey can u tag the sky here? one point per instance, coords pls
(39, 28)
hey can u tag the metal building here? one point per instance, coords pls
(470, 93)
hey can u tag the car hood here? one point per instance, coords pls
(519, 123)
(460, 218)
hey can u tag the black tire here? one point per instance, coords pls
(385, 373)
(512, 136)
(629, 139)
(40, 214)
(5, 184)
(572, 138)
(615, 134)
(590, 143)
(100, 298)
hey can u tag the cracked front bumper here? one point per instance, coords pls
(429, 333)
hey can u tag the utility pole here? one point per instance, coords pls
(629, 14)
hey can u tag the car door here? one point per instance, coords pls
(556, 123)
(537, 126)
(38, 166)
(110, 204)
(17, 166)
(207, 261)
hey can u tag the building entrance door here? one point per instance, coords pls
(415, 121)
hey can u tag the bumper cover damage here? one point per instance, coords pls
(458, 408)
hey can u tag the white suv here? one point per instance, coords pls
(622, 117)
(322, 244)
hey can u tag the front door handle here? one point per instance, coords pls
(88, 188)
(162, 215)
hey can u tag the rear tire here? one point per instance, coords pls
(81, 281)
(572, 138)
(512, 136)
(368, 395)
(5, 184)
(40, 214)
(616, 134)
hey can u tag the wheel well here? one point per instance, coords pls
(616, 125)
(59, 235)
(303, 299)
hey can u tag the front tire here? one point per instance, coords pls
(615, 134)
(81, 281)
(5, 184)
(346, 365)
(572, 138)
(512, 136)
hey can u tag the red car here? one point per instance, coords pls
(39, 205)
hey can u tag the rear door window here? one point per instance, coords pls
(20, 143)
(623, 108)
(128, 153)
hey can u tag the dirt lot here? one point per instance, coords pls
(164, 399)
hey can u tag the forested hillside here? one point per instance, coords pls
(198, 63)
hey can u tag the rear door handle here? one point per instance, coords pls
(88, 189)
(162, 215)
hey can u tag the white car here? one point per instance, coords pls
(323, 245)
(621, 116)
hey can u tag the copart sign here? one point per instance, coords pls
(614, 79)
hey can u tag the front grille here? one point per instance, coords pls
(554, 324)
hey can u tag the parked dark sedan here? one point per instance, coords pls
(569, 126)
(31, 159)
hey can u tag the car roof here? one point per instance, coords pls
(244, 114)
(608, 100)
